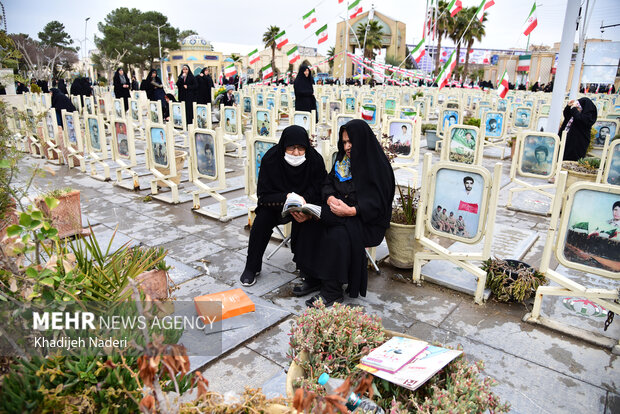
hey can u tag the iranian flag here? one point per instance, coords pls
(419, 51)
(267, 71)
(368, 112)
(230, 70)
(253, 57)
(321, 34)
(502, 87)
(309, 18)
(355, 9)
(455, 7)
(293, 55)
(444, 75)
(531, 22)
(524, 63)
(281, 39)
(483, 7)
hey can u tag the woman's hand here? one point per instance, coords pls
(340, 208)
(300, 217)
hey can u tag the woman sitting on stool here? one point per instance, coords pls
(356, 211)
(290, 166)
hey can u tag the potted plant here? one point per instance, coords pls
(153, 281)
(67, 215)
(512, 280)
(430, 130)
(584, 169)
(400, 236)
(334, 340)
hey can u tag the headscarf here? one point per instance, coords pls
(122, 78)
(61, 101)
(372, 173)
(304, 85)
(277, 176)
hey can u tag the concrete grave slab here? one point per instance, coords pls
(232, 184)
(236, 207)
(179, 271)
(239, 329)
(522, 383)
(508, 242)
(227, 266)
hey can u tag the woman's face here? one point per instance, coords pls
(307, 72)
(120, 71)
(346, 142)
(184, 70)
(617, 213)
(296, 150)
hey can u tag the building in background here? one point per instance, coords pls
(197, 53)
(394, 43)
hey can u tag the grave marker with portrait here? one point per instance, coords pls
(88, 105)
(494, 125)
(135, 111)
(97, 146)
(72, 134)
(177, 115)
(155, 113)
(612, 164)
(606, 130)
(305, 120)
(124, 150)
(403, 140)
(52, 137)
(119, 110)
(202, 116)
(350, 105)
(461, 144)
(258, 146)
(263, 123)
(447, 118)
(522, 118)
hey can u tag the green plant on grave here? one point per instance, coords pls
(526, 280)
(590, 163)
(472, 122)
(405, 209)
(334, 340)
(427, 127)
(58, 192)
(137, 253)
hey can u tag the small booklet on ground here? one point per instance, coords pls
(295, 202)
(396, 352)
(418, 371)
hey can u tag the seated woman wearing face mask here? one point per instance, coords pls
(290, 166)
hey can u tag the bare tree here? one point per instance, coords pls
(108, 63)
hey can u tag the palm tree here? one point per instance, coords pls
(330, 54)
(476, 32)
(459, 25)
(269, 39)
(373, 33)
(443, 26)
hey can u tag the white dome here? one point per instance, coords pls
(194, 42)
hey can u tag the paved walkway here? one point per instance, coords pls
(537, 370)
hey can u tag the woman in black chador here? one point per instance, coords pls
(121, 86)
(187, 92)
(579, 116)
(304, 90)
(290, 166)
(205, 83)
(61, 101)
(356, 210)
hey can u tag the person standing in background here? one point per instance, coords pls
(205, 84)
(187, 92)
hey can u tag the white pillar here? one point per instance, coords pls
(561, 76)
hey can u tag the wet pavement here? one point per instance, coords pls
(536, 369)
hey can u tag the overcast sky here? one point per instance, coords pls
(242, 22)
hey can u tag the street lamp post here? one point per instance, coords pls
(85, 38)
(161, 65)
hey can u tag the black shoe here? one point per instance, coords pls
(248, 277)
(314, 299)
(308, 286)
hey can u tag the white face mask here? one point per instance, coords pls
(294, 160)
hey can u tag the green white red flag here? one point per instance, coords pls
(267, 71)
(355, 9)
(502, 87)
(446, 71)
(454, 7)
(281, 39)
(321, 34)
(293, 55)
(309, 18)
(531, 22)
(253, 57)
(368, 112)
(484, 5)
(419, 50)
(524, 63)
(230, 70)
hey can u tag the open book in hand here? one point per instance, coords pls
(295, 202)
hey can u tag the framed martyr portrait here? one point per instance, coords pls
(589, 232)
(458, 201)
